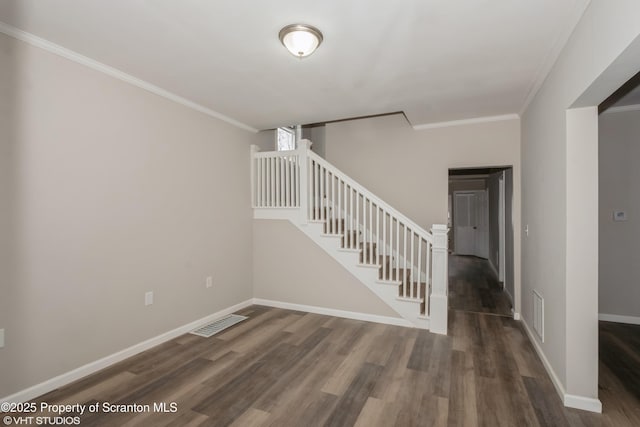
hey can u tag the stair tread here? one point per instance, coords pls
(389, 282)
(353, 250)
(409, 299)
(368, 265)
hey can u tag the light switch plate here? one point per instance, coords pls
(619, 215)
(148, 298)
(1, 338)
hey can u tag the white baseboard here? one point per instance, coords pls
(569, 400)
(397, 321)
(631, 320)
(554, 378)
(585, 403)
(92, 367)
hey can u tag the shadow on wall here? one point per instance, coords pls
(11, 85)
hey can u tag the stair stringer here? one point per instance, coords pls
(368, 275)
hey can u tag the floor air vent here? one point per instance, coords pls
(216, 326)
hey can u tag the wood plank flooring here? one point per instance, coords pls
(619, 381)
(473, 286)
(288, 368)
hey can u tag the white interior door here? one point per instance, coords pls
(471, 223)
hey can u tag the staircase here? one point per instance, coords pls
(403, 264)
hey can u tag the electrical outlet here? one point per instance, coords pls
(148, 298)
(1, 338)
(209, 282)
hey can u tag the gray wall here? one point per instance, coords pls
(108, 191)
(619, 188)
(265, 140)
(318, 138)
(559, 187)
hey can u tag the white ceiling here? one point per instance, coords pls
(436, 60)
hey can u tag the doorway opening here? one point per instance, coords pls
(481, 236)
(618, 246)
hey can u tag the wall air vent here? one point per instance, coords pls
(538, 315)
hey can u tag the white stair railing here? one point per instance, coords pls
(275, 181)
(405, 253)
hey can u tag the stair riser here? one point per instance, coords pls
(337, 226)
(394, 274)
(412, 287)
(368, 253)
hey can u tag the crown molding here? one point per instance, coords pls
(115, 73)
(466, 122)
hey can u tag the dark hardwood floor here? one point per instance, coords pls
(474, 287)
(619, 380)
(288, 368)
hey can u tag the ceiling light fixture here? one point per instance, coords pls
(301, 40)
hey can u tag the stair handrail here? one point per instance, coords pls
(371, 196)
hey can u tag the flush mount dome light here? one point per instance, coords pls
(301, 40)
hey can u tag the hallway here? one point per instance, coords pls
(474, 287)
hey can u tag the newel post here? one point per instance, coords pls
(254, 150)
(303, 179)
(438, 302)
